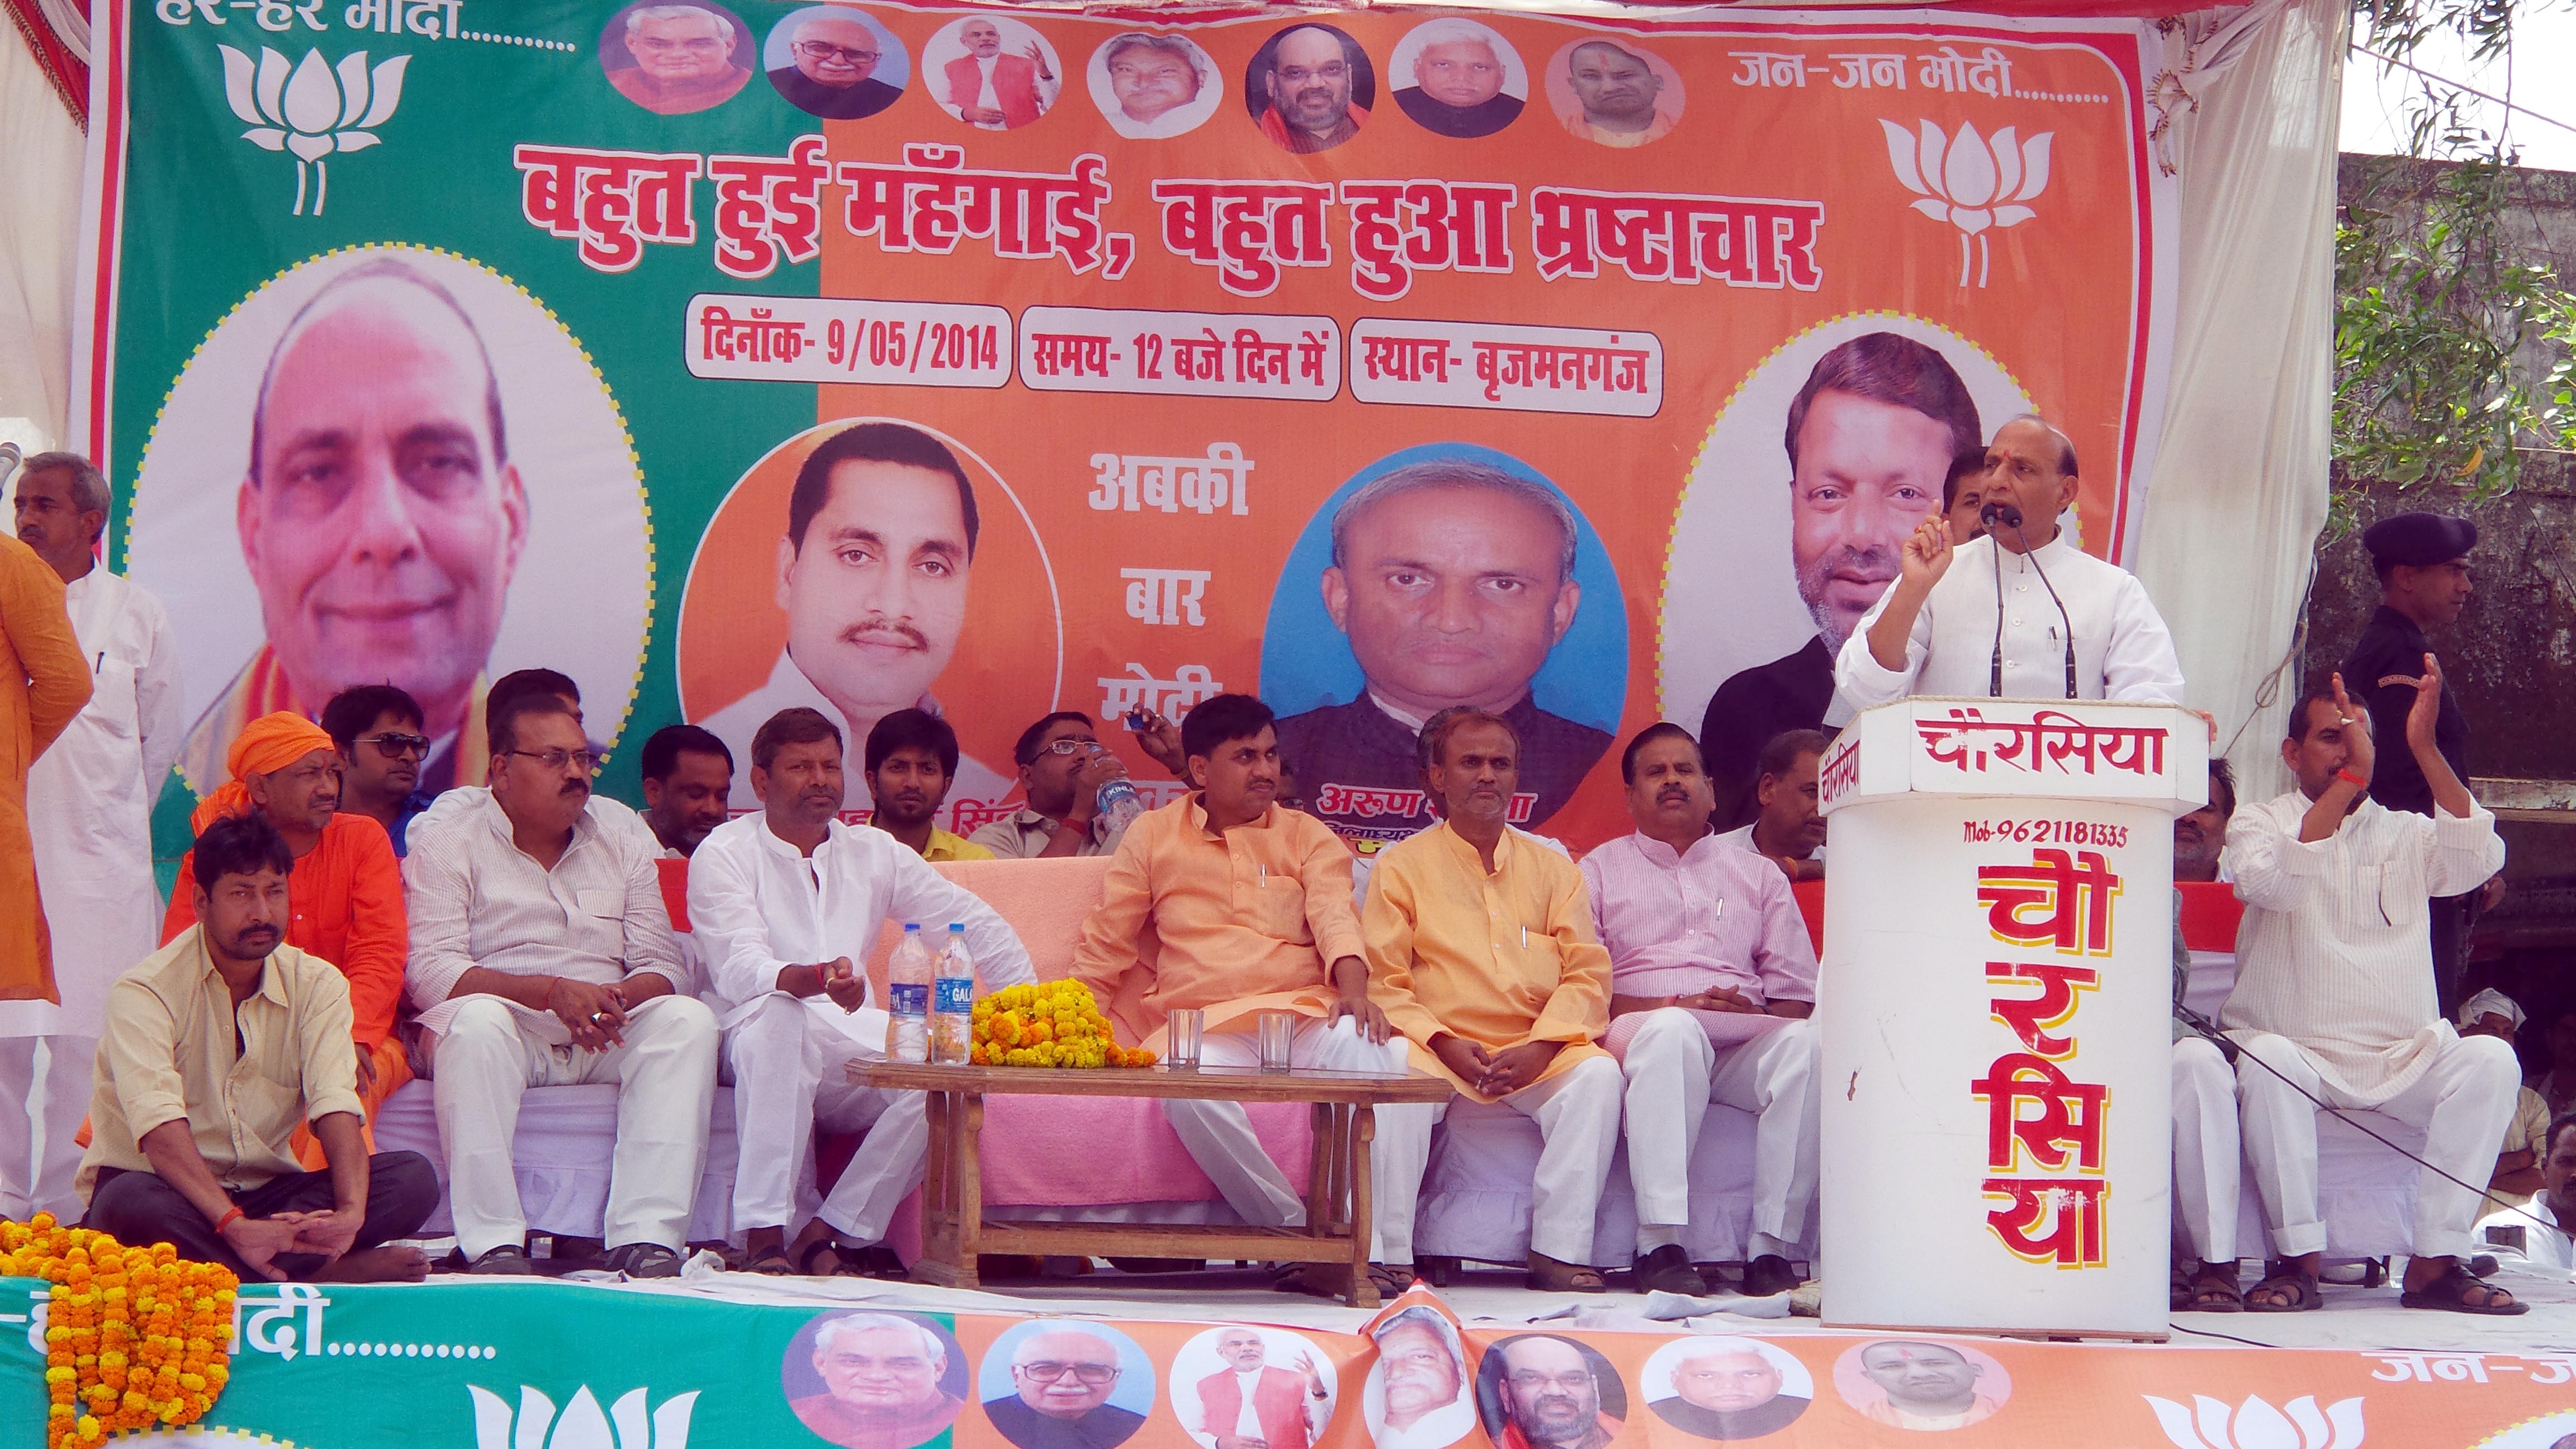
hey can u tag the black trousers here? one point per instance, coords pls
(140, 1207)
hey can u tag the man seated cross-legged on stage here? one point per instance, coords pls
(2334, 1000)
(218, 1047)
(1481, 951)
(785, 905)
(1695, 925)
(542, 956)
(1252, 905)
(346, 893)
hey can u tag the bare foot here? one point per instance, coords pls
(376, 1265)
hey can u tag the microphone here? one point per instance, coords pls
(1988, 516)
(2003, 513)
(2011, 517)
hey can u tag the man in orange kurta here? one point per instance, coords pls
(1251, 905)
(346, 891)
(1482, 952)
(44, 682)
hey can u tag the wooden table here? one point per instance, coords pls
(954, 1230)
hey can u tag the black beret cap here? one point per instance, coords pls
(2421, 539)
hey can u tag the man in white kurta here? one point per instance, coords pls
(1936, 631)
(785, 904)
(2535, 1237)
(89, 805)
(2334, 994)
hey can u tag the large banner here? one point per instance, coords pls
(729, 355)
(542, 1366)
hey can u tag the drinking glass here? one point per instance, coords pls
(1181, 1044)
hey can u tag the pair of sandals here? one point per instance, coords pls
(773, 1262)
(633, 1260)
(2457, 1290)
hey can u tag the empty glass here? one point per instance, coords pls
(1181, 1041)
(1276, 1028)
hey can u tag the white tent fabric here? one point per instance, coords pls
(2239, 488)
(39, 231)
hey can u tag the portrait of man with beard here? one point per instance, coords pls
(1310, 88)
(1539, 1391)
(1870, 438)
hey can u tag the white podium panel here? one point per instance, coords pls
(1995, 1003)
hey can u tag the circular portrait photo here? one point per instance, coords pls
(391, 465)
(1445, 574)
(1827, 456)
(1238, 1387)
(1057, 1383)
(1915, 1384)
(2343, 1418)
(865, 566)
(1726, 1389)
(1455, 77)
(1613, 92)
(676, 58)
(874, 1379)
(836, 62)
(1150, 86)
(1309, 87)
(994, 74)
(1418, 1394)
(1541, 1391)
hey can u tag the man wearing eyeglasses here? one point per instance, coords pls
(345, 893)
(376, 728)
(1064, 1378)
(1063, 766)
(542, 956)
(834, 76)
(683, 60)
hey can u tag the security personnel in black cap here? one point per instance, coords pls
(2422, 560)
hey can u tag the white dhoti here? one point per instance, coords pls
(2464, 1099)
(1673, 1072)
(665, 1072)
(788, 1065)
(2207, 1168)
(1577, 1112)
(1219, 1134)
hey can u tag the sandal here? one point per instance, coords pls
(1333, 1280)
(642, 1260)
(841, 1266)
(2208, 1292)
(2450, 1294)
(1547, 1275)
(2298, 1292)
(770, 1262)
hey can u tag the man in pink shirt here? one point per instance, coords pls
(1707, 956)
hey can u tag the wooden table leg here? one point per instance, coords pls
(1363, 1132)
(1319, 1157)
(970, 1190)
(935, 1244)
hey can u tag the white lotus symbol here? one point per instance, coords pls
(1968, 181)
(314, 111)
(582, 1425)
(2255, 1424)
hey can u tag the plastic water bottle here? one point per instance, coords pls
(1118, 805)
(952, 1001)
(908, 998)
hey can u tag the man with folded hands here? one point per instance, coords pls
(1482, 952)
(1707, 954)
(785, 904)
(1251, 903)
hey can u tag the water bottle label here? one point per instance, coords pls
(956, 994)
(908, 1000)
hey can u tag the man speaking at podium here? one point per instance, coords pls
(2023, 614)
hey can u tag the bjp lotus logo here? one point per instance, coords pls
(582, 1425)
(2255, 1424)
(1969, 181)
(314, 111)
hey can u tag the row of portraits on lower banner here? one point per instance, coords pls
(881, 1379)
(436, 513)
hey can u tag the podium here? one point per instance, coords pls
(1995, 1004)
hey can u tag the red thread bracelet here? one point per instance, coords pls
(229, 1214)
(2355, 781)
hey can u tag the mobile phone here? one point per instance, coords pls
(1137, 719)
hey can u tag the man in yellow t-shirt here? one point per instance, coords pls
(911, 760)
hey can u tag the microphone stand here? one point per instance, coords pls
(2015, 522)
(1995, 666)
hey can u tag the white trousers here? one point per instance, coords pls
(1577, 1112)
(2207, 1167)
(1673, 1073)
(2464, 1100)
(787, 1068)
(1220, 1136)
(666, 1082)
(40, 1152)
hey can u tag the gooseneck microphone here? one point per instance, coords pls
(1989, 515)
(2011, 518)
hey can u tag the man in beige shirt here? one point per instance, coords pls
(217, 1048)
(1063, 766)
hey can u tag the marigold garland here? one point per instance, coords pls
(134, 1337)
(1053, 1024)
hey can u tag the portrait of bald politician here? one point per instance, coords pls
(1453, 581)
(379, 515)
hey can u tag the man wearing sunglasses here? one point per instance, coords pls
(376, 728)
